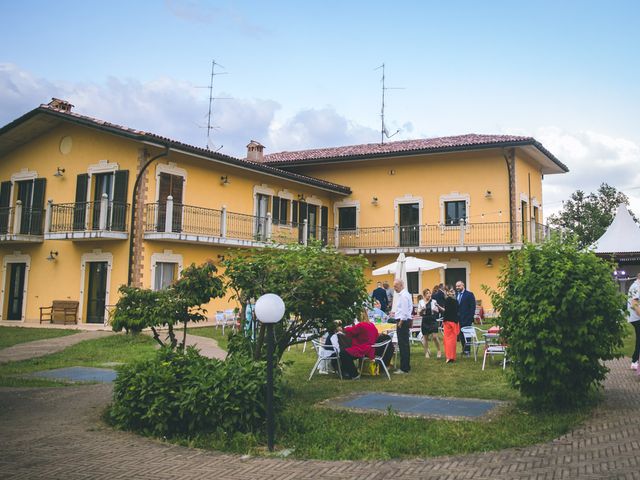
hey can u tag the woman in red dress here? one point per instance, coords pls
(363, 335)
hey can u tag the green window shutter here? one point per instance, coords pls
(120, 190)
(80, 207)
(37, 206)
(5, 207)
(275, 209)
(294, 214)
(324, 224)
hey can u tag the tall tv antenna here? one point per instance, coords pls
(209, 126)
(383, 128)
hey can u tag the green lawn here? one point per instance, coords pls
(314, 431)
(90, 353)
(10, 336)
(629, 340)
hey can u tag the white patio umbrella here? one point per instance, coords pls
(402, 265)
(411, 264)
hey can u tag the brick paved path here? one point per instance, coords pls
(56, 434)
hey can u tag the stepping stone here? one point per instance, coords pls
(419, 405)
(79, 374)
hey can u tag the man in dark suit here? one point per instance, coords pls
(380, 294)
(466, 311)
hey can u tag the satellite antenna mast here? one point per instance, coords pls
(210, 127)
(383, 128)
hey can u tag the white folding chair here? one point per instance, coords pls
(495, 350)
(220, 320)
(326, 353)
(229, 319)
(415, 332)
(380, 349)
(471, 337)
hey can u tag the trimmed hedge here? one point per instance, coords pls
(179, 393)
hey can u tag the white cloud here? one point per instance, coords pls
(593, 158)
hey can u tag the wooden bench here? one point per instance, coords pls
(60, 311)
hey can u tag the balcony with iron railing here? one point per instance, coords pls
(488, 236)
(104, 219)
(185, 223)
(21, 225)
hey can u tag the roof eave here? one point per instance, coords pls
(559, 167)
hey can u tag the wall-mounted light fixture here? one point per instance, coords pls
(489, 263)
(224, 180)
(374, 201)
(374, 263)
(53, 254)
(301, 197)
(487, 194)
(221, 258)
(59, 172)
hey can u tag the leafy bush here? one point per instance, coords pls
(181, 302)
(561, 314)
(184, 393)
(317, 284)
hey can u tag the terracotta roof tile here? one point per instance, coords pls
(459, 142)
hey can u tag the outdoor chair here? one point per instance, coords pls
(495, 350)
(380, 349)
(471, 337)
(415, 332)
(230, 319)
(326, 353)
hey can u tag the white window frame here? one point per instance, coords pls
(23, 175)
(95, 256)
(165, 257)
(454, 197)
(407, 198)
(171, 168)
(455, 263)
(346, 204)
(16, 257)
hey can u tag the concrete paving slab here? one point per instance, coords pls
(79, 374)
(421, 405)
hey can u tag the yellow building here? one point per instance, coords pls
(67, 186)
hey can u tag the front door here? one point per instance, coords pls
(97, 292)
(453, 275)
(409, 224)
(16, 290)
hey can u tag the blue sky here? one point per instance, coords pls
(302, 74)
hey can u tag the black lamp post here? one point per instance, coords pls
(269, 310)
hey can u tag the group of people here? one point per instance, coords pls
(456, 308)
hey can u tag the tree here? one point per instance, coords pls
(562, 315)
(318, 285)
(181, 302)
(588, 216)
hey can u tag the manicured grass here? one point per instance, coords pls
(629, 340)
(311, 430)
(90, 353)
(10, 336)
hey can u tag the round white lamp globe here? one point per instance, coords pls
(269, 308)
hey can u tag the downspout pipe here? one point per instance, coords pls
(506, 159)
(134, 209)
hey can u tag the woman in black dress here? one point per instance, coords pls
(429, 325)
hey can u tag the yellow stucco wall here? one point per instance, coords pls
(427, 177)
(62, 279)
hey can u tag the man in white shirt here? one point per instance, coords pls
(403, 316)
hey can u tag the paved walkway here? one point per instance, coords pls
(57, 434)
(40, 348)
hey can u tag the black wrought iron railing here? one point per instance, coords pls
(89, 216)
(188, 219)
(21, 221)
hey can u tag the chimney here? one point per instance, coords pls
(61, 105)
(255, 151)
